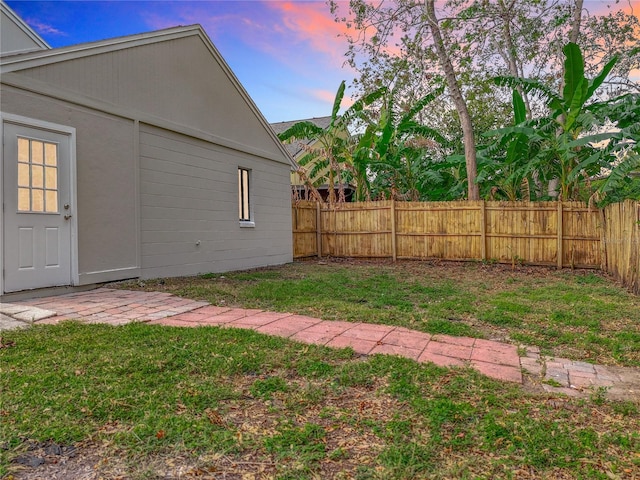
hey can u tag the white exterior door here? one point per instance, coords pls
(36, 191)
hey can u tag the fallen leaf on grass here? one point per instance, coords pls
(214, 417)
(7, 343)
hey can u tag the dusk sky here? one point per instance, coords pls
(287, 54)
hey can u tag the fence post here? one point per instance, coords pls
(318, 230)
(394, 250)
(483, 230)
(560, 228)
(603, 239)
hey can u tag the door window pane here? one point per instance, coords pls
(37, 200)
(37, 183)
(23, 175)
(23, 150)
(37, 176)
(24, 199)
(51, 201)
(37, 152)
(51, 154)
(51, 178)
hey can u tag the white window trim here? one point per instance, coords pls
(250, 223)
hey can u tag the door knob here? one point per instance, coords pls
(67, 216)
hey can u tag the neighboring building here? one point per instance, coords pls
(298, 148)
(140, 156)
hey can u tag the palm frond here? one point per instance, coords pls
(300, 131)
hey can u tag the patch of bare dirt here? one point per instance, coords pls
(49, 461)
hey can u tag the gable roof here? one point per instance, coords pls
(295, 147)
(16, 36)
(29, 70)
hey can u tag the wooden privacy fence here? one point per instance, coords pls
(621, 242)
(564, 234)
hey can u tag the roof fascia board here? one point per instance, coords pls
(23, 25)
(41, 88)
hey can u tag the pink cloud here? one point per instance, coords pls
(312, 23)
(43, 28)
(329, 97)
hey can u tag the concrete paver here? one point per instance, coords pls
(494, 359)
(12, 308)
(507, 373)
(408, 339)
(575, 378)
(288, 326)
(391, 349)
(449, 350)
(440, 360)
(359, 345)
(8, 323)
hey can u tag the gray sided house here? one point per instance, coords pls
(140, 156)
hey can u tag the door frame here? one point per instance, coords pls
(55, 128)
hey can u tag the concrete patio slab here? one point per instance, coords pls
(8, 323)
(33, 314)
(12, 308)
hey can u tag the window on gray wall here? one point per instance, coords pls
(244, 202)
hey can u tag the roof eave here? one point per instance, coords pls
(6, 9)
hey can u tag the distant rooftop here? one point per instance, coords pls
(322, 122)
(298, 145)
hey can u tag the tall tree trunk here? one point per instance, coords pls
(510, 50)
(458, 100)
(576, 22)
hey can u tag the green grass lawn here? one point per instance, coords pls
(206, 402)
(162, 402)
(581, 315)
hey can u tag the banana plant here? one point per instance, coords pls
(505, 169)
(395, 148)
(327, 158)
(563, 144)
(623, 147)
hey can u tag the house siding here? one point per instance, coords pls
(161, 127)
(13, 39)
(106, 182)
(188, 194)
(175, 79)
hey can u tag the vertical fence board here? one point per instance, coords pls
(560, 233)
(621, 239)
(303, 215)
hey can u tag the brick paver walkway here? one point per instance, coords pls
(494, 359)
